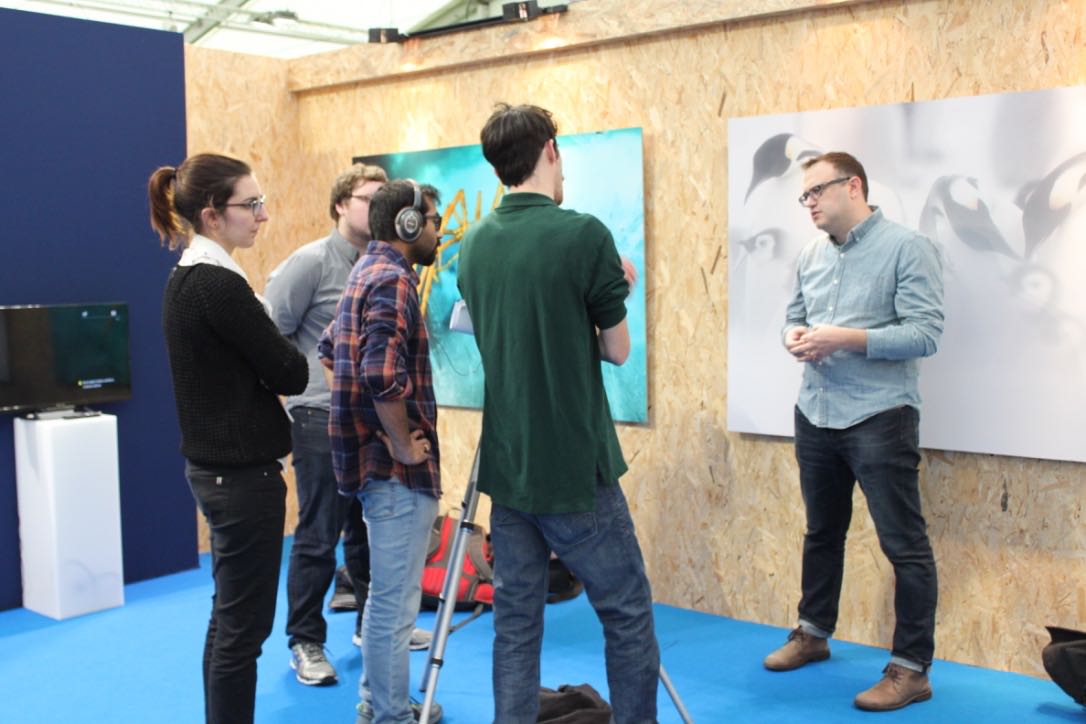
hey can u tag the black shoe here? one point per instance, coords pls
(343, 596)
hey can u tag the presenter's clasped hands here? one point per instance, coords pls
(815, 343)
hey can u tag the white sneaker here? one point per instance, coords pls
(365, 712)
(420, 639)
(312, 666)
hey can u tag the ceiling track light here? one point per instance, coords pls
(522, 11)
(528, 10)
(386, 35)
(511, 12)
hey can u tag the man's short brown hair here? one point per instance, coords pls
(344, 184)
(513, 138)
(845, 164)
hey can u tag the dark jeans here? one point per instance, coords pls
(245, 511)
(356, 557)
(601, 549)
(882, 453)
(322, 514)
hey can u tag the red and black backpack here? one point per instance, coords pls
(476, 587)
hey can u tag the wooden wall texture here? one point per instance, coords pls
(719, 514)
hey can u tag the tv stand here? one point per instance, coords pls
(66, 470)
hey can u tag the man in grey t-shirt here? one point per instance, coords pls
(303, 293)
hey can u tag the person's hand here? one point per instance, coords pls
(817, 343)
(416, 449)
(792, 339)
(629, 271)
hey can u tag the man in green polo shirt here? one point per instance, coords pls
(546, 290)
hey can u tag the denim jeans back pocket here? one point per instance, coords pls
(566, 530)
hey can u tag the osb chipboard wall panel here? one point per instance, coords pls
(719, 514)
(582, 25)
(238, 105)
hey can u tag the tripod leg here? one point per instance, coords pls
(683, 713)
(447, 600)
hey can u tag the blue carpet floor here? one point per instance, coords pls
(141, 663)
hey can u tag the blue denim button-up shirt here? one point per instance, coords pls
(888, 280)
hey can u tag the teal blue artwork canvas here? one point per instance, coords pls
(604, 176)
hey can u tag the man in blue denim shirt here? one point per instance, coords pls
(867, 305)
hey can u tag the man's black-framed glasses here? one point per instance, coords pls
(815, 191)
(254, 205)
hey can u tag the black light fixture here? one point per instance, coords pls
(528, 10)
(521, 10)
(386, 35)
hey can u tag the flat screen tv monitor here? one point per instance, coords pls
(60, 356)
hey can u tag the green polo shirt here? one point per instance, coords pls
(538, 280)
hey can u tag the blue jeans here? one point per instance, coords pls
(882, 453)
(399, 521)
(601, 549)
(322, 514)
(245, 511)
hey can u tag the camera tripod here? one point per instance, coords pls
(447, 602)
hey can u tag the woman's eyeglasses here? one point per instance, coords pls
(254, 205)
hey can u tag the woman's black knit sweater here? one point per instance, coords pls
(229, 363)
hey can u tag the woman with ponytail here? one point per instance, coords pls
(229, 364)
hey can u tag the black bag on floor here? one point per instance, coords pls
(573, 705)
(562, 585)
(1065, 661)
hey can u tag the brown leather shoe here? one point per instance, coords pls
(801, 648)
(899, 687)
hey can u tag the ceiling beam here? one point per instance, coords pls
(212, 19)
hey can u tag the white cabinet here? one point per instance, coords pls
(69, 514)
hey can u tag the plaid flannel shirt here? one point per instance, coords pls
(378, 348)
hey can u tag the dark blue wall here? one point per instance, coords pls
(89, 110)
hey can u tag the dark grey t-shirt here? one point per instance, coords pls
(303, 293)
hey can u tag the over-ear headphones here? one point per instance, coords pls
(410, 220)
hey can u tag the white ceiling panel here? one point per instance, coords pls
(280, 28)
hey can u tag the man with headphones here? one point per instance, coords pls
(303, 292)
(383, 424)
